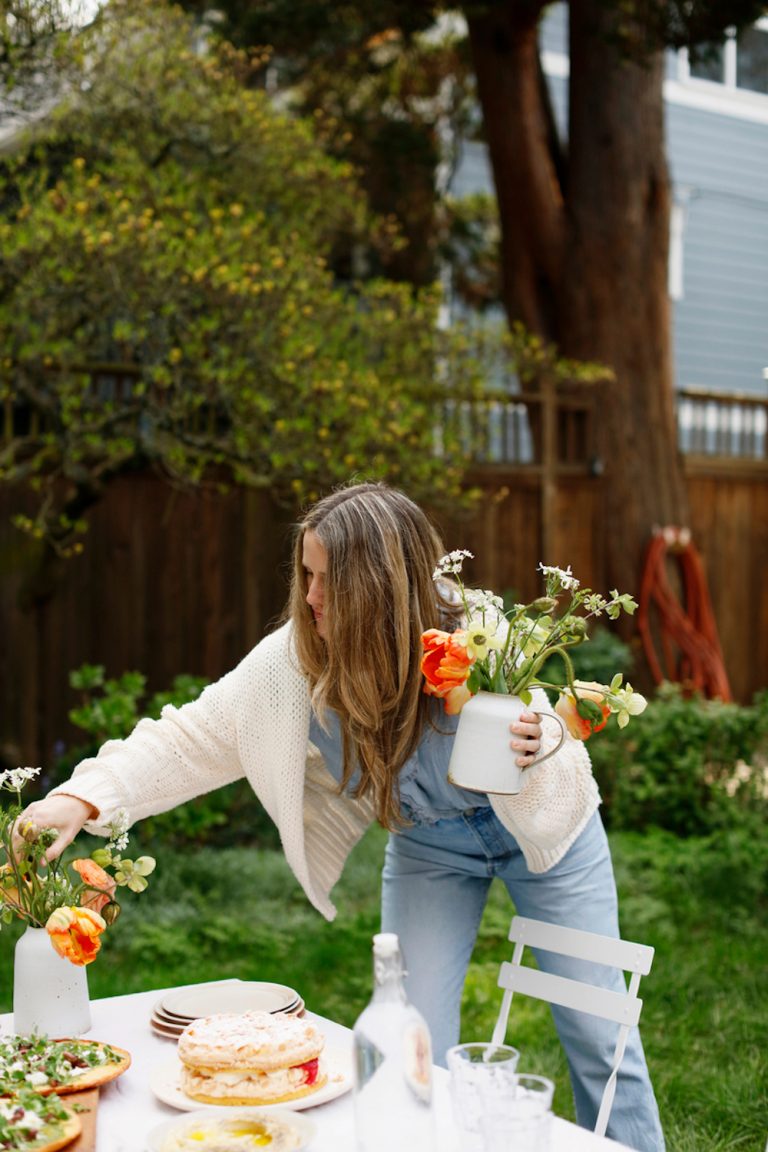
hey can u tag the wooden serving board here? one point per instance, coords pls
(89, 1100)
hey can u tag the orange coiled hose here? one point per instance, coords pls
(687, 633)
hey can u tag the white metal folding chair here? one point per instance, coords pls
(623, 1009)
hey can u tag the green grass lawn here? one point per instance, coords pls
(237, 912)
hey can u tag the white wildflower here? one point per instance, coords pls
(451, 563)
(481, 601)
(564, 576)
(14, 779)
(118, 829)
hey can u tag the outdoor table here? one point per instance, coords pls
(128, 1108)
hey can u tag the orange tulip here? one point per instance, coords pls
(75, 933)
(95, 877)
(446, 664)
(582, 727)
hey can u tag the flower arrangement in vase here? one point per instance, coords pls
(74, 910)
(66, 907)
(503, 652)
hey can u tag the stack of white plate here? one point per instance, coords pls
(174, 1010)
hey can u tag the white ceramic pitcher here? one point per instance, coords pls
(482, 759)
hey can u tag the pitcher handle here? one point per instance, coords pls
(557, 747)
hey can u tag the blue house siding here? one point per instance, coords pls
(718, 163)
(719, 169)
(553, 35)
(473, 172)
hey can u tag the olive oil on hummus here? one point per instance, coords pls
(242, 1134)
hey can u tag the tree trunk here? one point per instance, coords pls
(585, 255)
(524, 160)
(615, 301)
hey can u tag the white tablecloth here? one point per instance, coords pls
(129, 1109)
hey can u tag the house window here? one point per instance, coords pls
(752, 59)
(708, 63)
(739, 62)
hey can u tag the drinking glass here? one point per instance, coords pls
(520, 1118)
(480, 1073)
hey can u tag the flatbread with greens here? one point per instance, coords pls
(61, 1066)
(33, 1123)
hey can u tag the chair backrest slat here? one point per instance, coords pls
(582, 945)
(574, 993)
(571, 993)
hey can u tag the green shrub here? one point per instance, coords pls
(109, 710)
(689, 765)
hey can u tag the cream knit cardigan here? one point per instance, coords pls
(254, 722)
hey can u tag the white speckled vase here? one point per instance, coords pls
(50, 993)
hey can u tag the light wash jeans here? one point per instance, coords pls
(434, 888)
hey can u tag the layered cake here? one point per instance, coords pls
(250, 1058)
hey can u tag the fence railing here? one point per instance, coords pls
(717, 424)
(505, 428)
(527, 428)
(508, 428)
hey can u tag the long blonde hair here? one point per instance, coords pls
(379, 597)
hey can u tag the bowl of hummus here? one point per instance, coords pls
(240, 1130)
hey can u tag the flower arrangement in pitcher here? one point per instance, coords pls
(504, 651)
(75, 910)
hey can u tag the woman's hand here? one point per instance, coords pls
(65, 813)
(527, 733)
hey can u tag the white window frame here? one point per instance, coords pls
(722, 96)
(690, 91)
(675, 268)
(730, 52)
(730, 61)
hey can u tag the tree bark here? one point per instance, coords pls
(585, 245)
(523, 154)
(615, 303)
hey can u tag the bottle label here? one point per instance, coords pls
(418, 1061)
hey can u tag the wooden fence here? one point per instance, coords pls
(187, 581)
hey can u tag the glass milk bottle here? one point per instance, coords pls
(393, 1062)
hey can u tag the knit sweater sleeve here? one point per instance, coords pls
(254, 722)
(557, 799)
